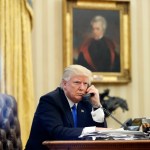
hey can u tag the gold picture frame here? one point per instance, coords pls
(77, 19)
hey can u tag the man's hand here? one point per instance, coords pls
(95, 99)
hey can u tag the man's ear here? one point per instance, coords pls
(64, 82)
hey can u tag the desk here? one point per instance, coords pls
(98, 145)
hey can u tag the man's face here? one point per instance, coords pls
(76, 87)
(97, 30)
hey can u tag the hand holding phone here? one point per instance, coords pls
(88, 96)
(92, 96)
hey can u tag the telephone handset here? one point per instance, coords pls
(88, 96)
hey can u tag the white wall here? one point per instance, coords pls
(48, 61)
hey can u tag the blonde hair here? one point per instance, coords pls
(74, 70)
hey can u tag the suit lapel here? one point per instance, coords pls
(68, 114)
(67, 110)
(81, 110)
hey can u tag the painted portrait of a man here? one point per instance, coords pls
(96, 47)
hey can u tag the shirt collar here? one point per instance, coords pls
(70, 102)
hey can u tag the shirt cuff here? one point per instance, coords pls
(98, 115)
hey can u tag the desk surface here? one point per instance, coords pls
(98, 145)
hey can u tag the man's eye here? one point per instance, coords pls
(86, 84)
(77, 82)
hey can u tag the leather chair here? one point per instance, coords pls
(10, 135)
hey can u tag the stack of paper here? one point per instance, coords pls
(117, 134)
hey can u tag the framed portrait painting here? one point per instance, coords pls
(96, 35)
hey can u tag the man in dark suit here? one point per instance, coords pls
(53, 119)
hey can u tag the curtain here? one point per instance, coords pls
(16, 77)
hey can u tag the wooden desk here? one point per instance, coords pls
(98, 145)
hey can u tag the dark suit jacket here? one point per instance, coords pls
(53, 120)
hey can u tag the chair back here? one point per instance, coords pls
(10, 135)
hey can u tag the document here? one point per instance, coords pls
(115, 134)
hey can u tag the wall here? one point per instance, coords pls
(47, 56)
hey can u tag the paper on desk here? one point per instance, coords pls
(121, 131)
(98, 132)
(115, 134)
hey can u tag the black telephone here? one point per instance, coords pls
(133, 124)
